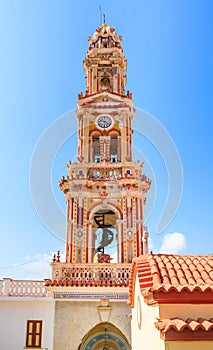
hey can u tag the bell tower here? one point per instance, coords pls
(105, 190)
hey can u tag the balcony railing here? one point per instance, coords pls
(1, 287)
(89, 275)
(22, 288)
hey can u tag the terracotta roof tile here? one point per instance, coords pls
(180, 325)
(189, 329)
(167, 273)
(84, 283)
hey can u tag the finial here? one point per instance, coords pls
(102, 19)
(58, 256)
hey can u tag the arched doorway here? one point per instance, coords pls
(104, 336)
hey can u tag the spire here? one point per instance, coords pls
(102, 19)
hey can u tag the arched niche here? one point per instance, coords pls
(105, 240)
(104, 336)
(105, 82)
(105, 219)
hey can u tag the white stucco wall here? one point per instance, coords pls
(148, 337)
(186, 310)
(75, 318)
(189, 345)
(13, 320)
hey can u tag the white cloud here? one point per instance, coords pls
(36, 267)
(173, 243)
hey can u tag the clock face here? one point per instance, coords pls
(104, 121)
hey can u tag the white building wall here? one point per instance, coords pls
(13, 321)
(148, 337)
(186, 310)
(75, 318)
(189, 345)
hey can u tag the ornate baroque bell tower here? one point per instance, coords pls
(104, 190)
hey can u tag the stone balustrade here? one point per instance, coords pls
(104, 274)
(1, 287)
(22, 288)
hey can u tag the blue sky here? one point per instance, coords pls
(169, 49)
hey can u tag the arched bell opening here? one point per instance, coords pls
(104, 336)
(105, 83)
(102, 218)
(104, 236)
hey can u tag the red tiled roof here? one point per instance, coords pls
(179, 329)
(84, 283)
(173, 274)
(179, 325)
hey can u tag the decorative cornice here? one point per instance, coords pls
(93, 293)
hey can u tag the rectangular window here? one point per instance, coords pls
(113, 158)
(97, 159)
(34, 331)
(96, 147)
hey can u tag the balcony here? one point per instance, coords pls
(89, 275)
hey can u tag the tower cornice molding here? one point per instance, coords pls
(114, 98)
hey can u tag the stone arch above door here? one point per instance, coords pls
(104, 336)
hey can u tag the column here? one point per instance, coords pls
(89, 241)
(119, 224)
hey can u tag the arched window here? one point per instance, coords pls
(105, 82)
(114, 147)
(96, 147)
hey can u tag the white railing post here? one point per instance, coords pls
(6, 286)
